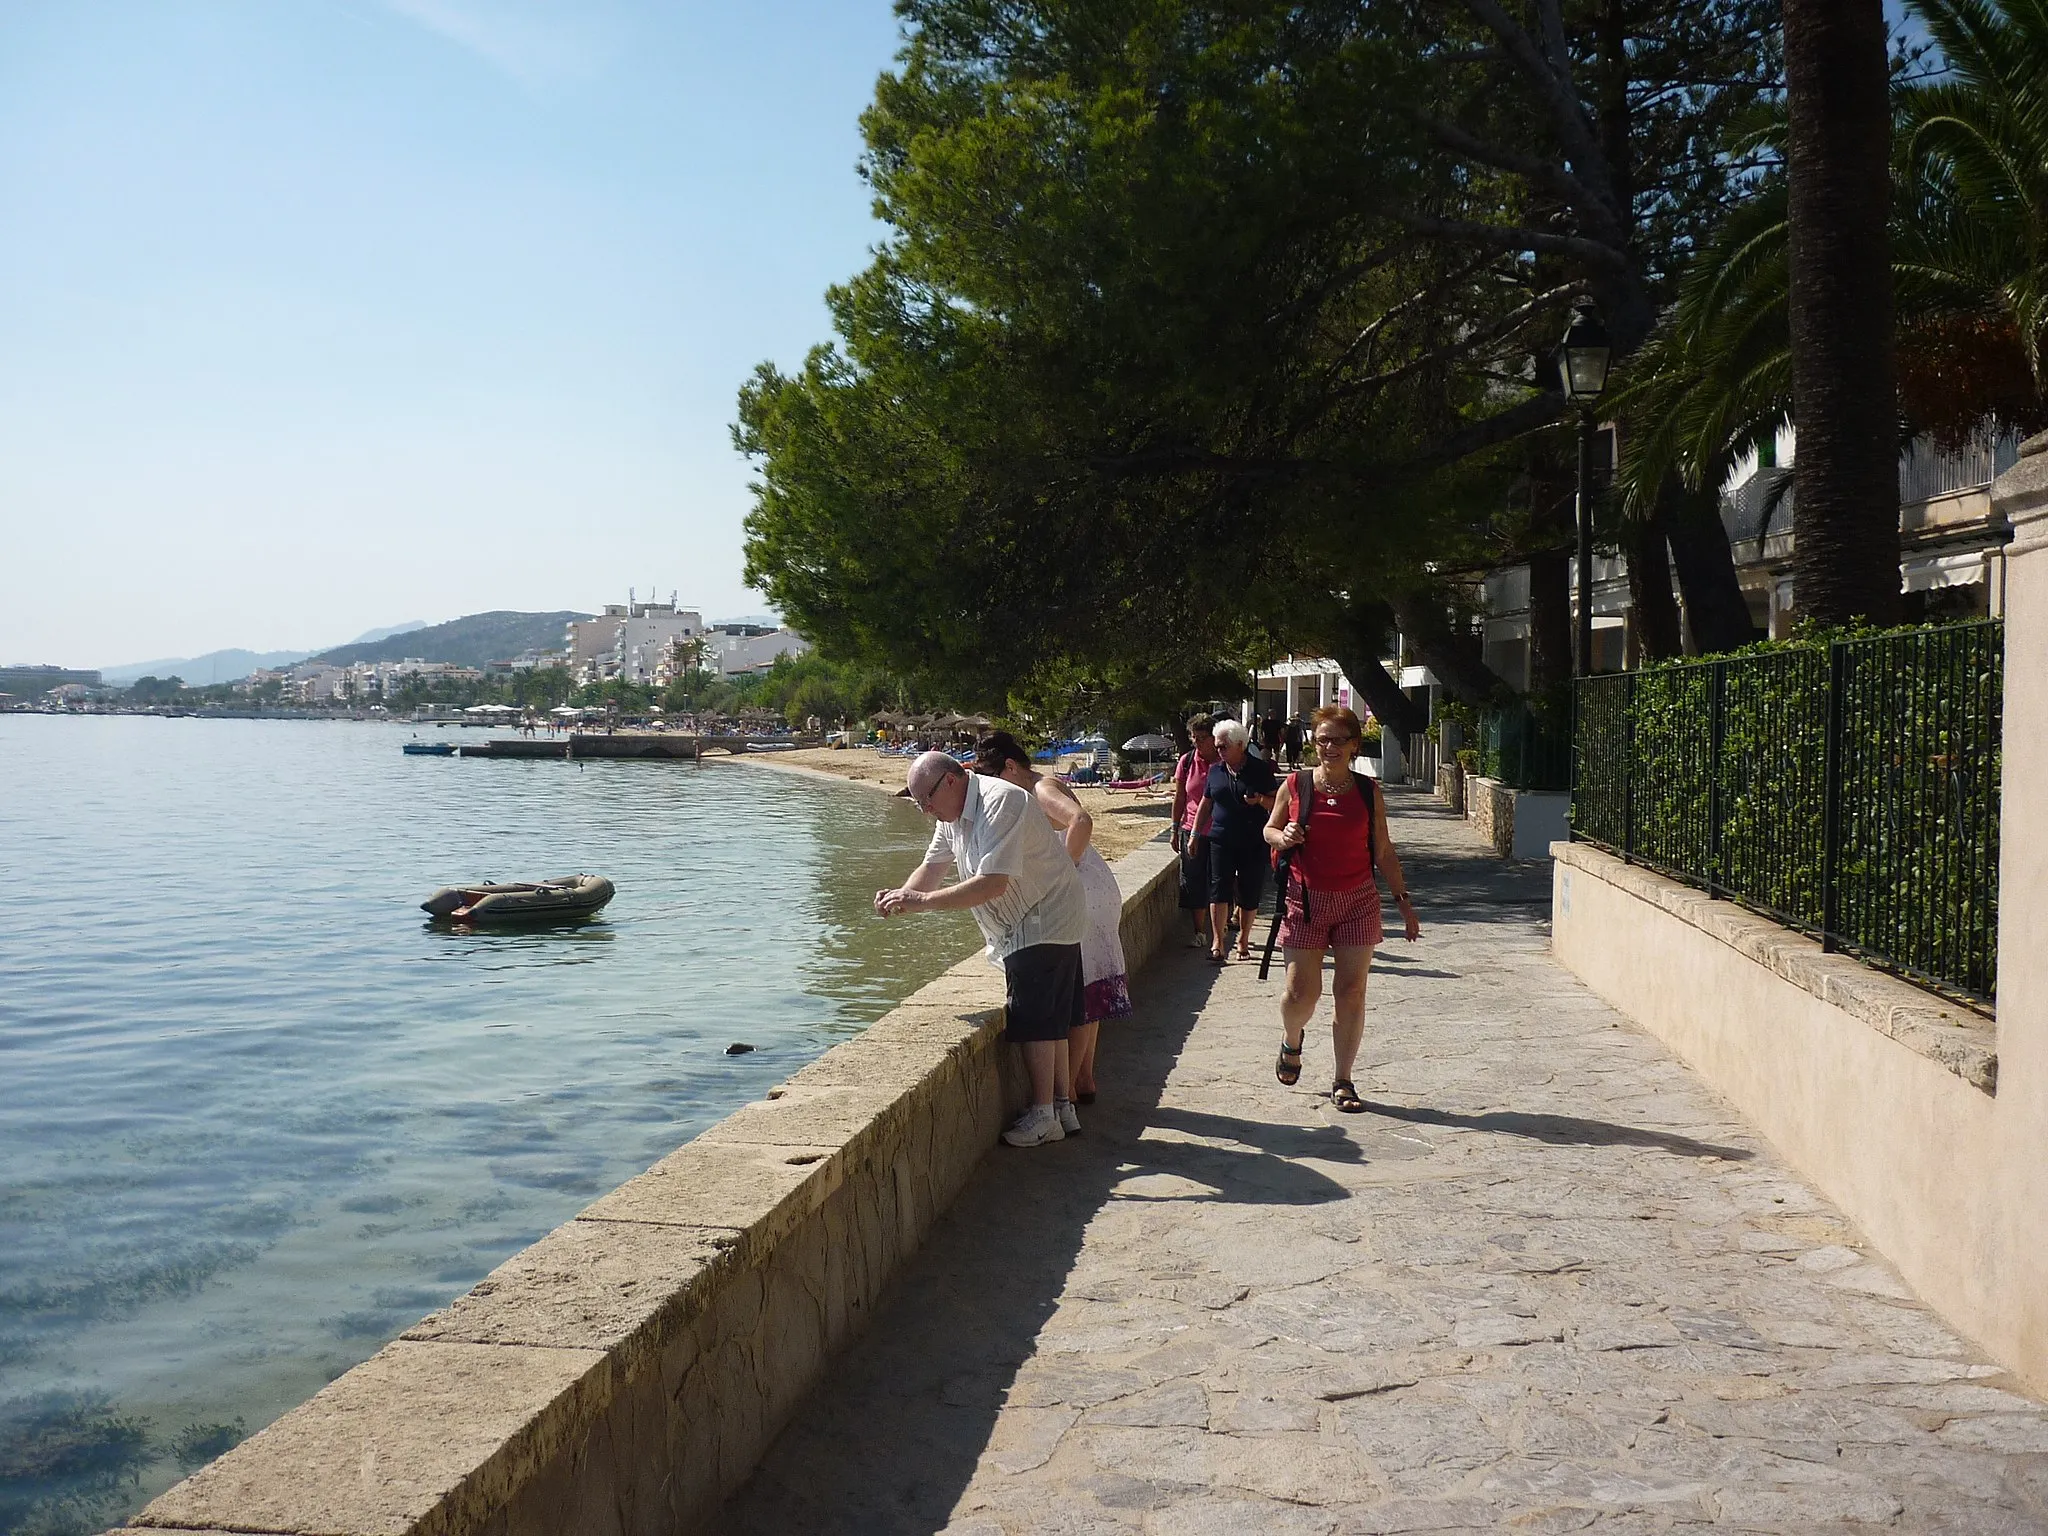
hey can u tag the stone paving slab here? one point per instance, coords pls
(1549, 1284)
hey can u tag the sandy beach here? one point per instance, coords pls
(1124, 818)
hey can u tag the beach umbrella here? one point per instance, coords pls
(1151, 741)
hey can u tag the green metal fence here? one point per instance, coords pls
(1849, 789)
(1527, 747)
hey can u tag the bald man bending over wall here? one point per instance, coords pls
(1017, 879)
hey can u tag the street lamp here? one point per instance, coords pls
(1582, 360)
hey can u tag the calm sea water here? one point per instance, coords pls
(256, 1116)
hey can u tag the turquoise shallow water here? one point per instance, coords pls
(256, 1116)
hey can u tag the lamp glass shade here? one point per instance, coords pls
(1582, 357)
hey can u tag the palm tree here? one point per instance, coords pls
(1970, 238)
(1969, 259)
(1846, 520)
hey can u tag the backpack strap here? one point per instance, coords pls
(1368, 786)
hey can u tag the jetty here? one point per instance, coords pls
(686, 745)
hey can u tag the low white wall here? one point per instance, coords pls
(1541, 817)
(1887, 1097)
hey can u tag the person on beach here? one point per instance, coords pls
(1016, 877)
(1106, 992)
(1190, 777)
(1238, 794)
(1339, 840)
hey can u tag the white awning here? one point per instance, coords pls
(1926, 575)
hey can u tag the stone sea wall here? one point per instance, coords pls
(626, 1372)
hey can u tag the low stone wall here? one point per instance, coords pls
(1519, 823)
(626, 1372)
(1888, 1097)
(1490, 807)
(1450, 786)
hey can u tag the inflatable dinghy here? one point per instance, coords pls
(570, 896)
(428, 749)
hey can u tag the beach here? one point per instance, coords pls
(1124, 818)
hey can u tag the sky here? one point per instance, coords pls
(333, 314)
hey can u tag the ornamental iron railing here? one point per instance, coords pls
(1847, 789)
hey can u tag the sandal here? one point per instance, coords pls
(1217, 958)
(1345, 1096)
(1289, 1072)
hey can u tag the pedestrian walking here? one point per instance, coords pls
(1235, 800)
(1294, 733)
(1026, 896)
(1335, 822)
(1105, 982)
(1190, 778)
(1272, 736)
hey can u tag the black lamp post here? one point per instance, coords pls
(1582, 359)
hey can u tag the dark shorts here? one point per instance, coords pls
(1237, 872)
(1194, 874)
(1045, 994)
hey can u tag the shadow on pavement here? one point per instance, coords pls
(1563, 1130)
(890, 1438)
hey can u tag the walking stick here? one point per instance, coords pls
(1282, 872)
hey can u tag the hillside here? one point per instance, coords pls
(229, 666)
(467, 642)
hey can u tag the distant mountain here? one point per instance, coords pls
(372, 636)
(229, 666)
(764, 620)
(466, 642)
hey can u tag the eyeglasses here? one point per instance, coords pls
(924, 801)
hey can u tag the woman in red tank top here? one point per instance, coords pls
(1339, 841)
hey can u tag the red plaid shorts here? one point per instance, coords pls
(1332, 919)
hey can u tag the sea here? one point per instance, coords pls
(258, 1115)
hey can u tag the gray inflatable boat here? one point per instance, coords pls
(569, 896)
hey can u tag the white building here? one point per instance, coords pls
(736, 648)
(316, 682)
(634, 641)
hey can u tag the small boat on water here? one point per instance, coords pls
(428, 749)
(569, 896)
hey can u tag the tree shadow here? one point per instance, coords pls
(1562, 1130)
(890, 1438)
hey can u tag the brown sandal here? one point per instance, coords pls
(1289, 1072)
(1344, 1095)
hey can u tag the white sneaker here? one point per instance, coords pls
(1070, 1121)
(1035, 1127)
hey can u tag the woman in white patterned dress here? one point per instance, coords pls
(1107, 988)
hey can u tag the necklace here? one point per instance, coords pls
(1331, 793)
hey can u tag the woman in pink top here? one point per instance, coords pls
(1190, 776)
(1333, 902)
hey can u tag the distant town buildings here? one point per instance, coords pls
(740, 648)
(649, 644)
(633, 641)
(654, 643)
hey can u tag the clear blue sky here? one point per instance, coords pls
(328, 314)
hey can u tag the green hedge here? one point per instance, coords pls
(1716, 771)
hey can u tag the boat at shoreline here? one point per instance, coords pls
(428, 749)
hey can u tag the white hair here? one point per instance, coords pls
(1230, 733)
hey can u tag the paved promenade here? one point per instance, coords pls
(1548, 1284)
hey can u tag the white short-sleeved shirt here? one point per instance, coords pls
(1002, 831)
